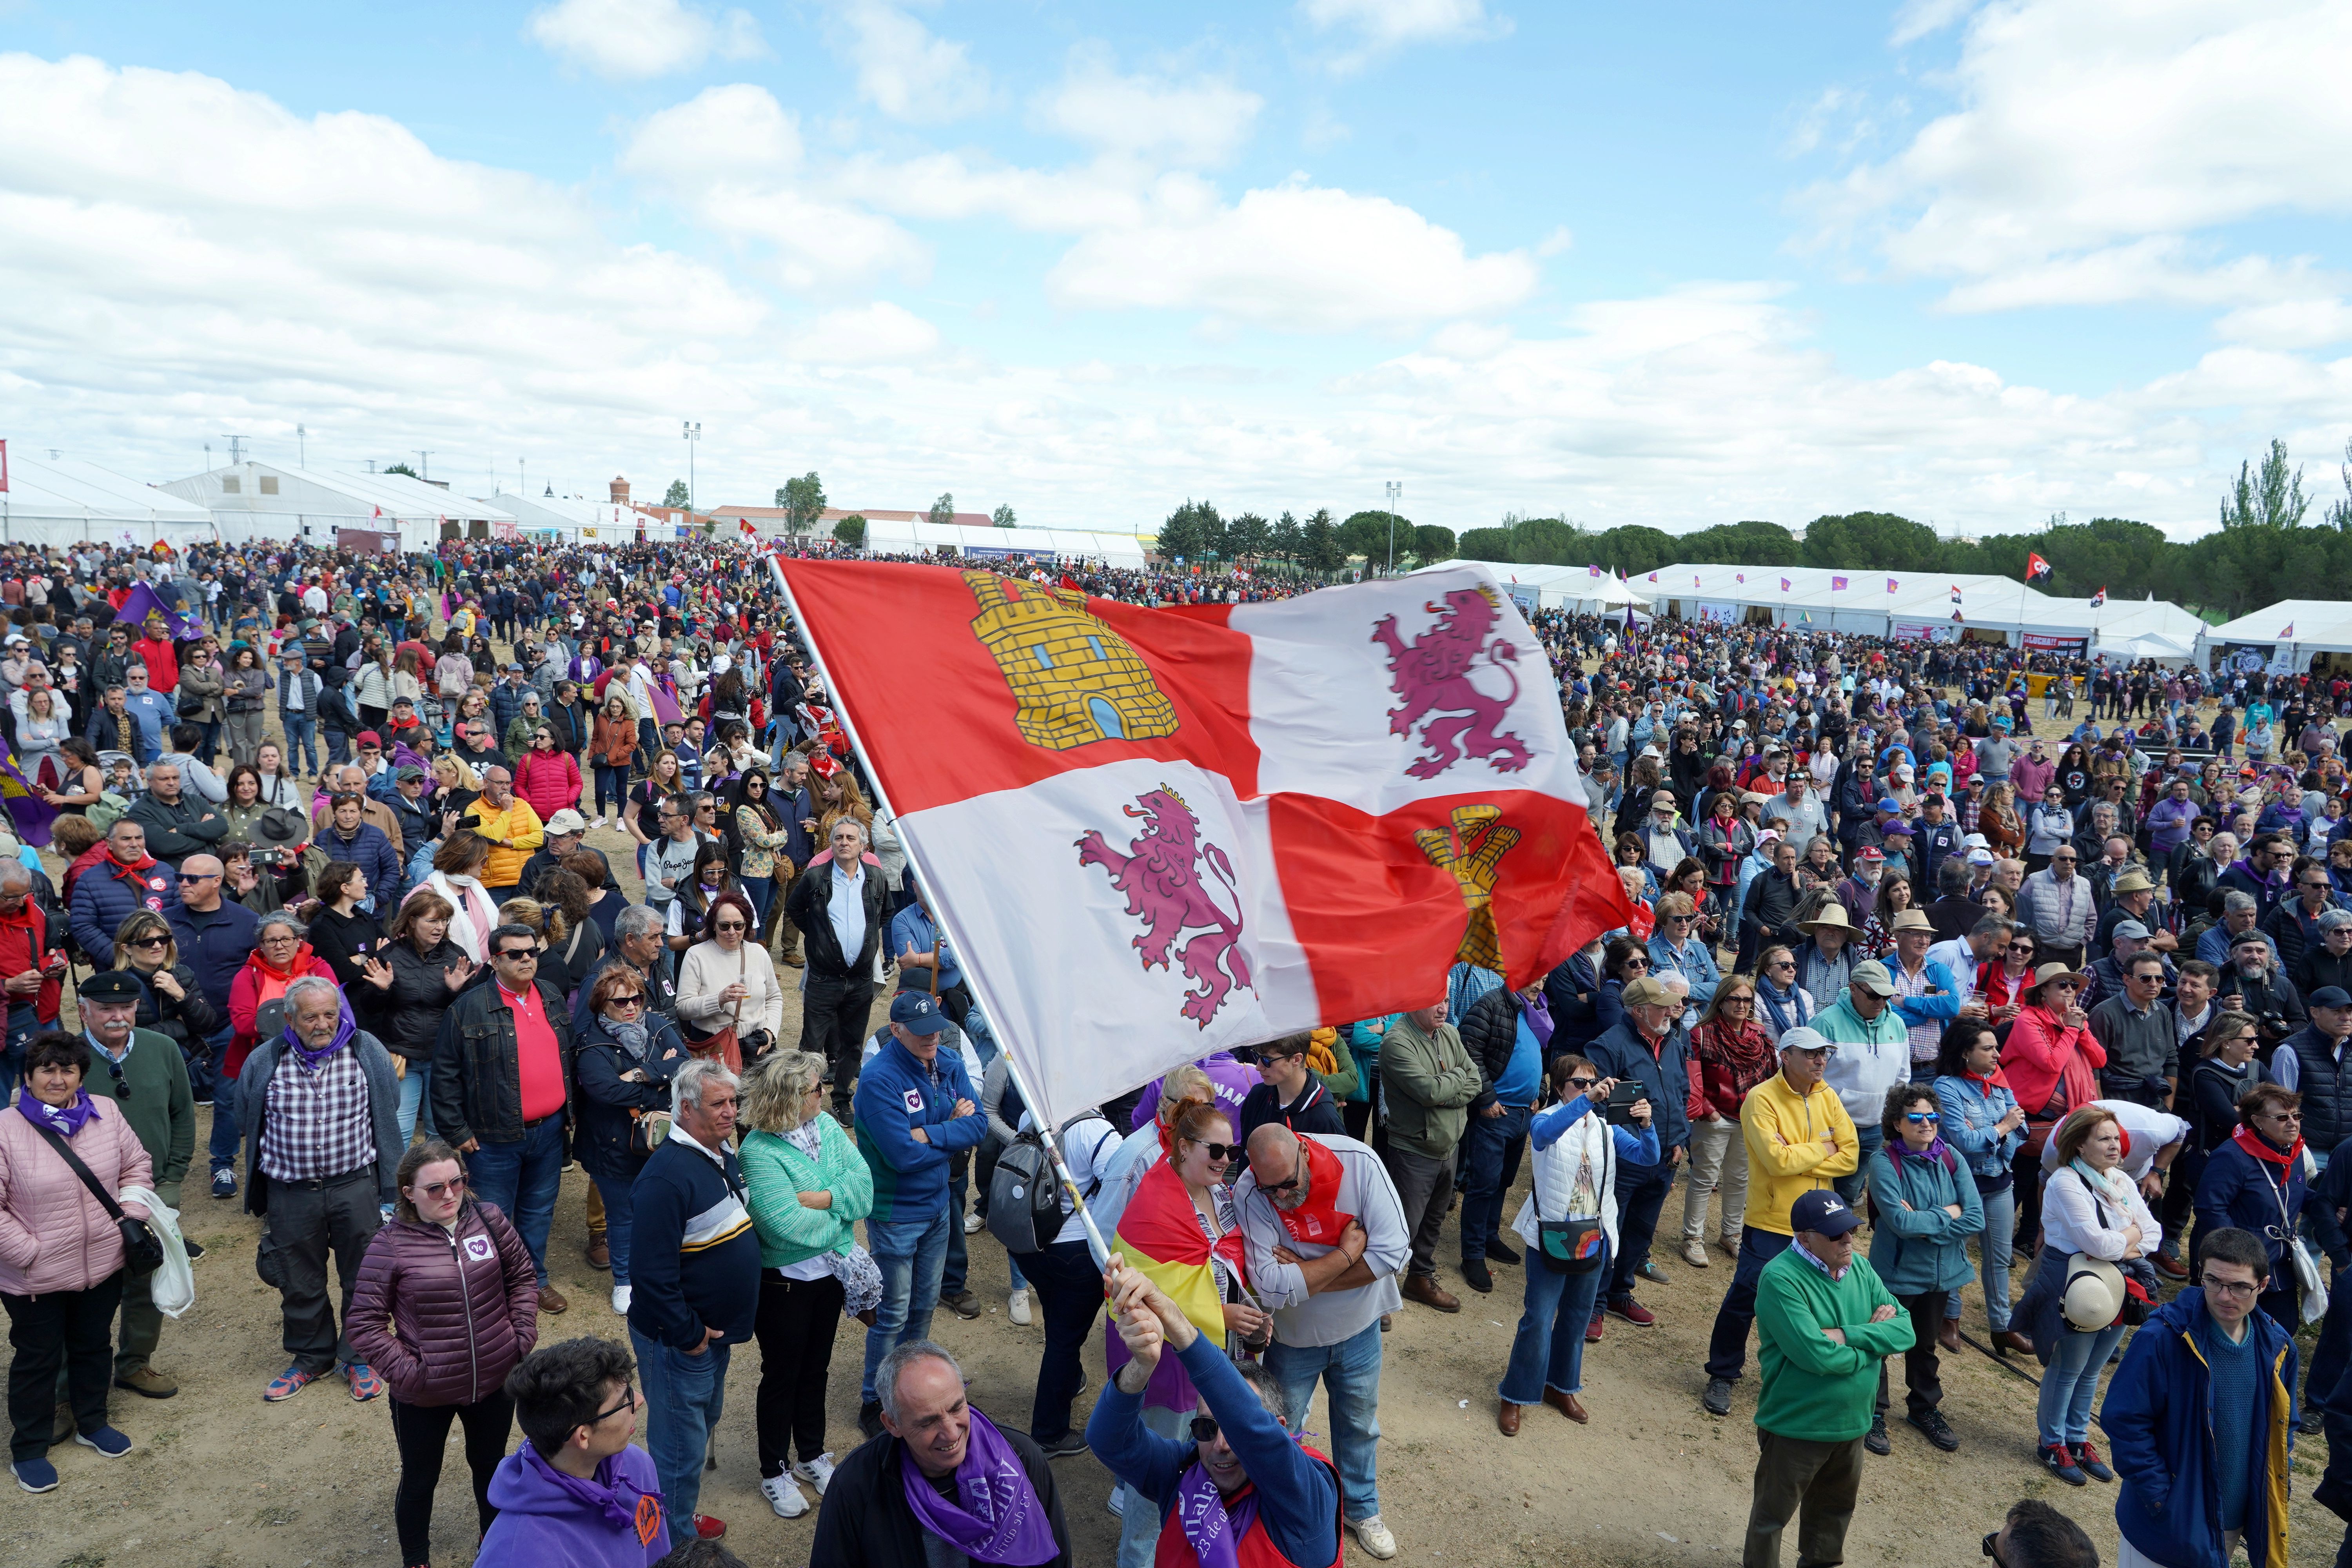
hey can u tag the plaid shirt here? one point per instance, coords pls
(319, 1123)
(1970, 811)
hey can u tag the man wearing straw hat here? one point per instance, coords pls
(1826, 957)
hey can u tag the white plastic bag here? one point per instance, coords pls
(173, 1286)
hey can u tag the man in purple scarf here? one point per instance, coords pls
(577, 1492)
(942, 1484)
(1241, 1492)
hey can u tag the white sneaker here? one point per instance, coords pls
(1374, 1537)
(1020, 1307)
(1117, 1501)
(972, 1223)
(783, 1497)
(816, 1472)
(621, 1299)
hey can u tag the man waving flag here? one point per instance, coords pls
(1155, 834)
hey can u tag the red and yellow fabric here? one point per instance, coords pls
(1159, 1236)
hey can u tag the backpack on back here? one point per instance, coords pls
(1024, 1196)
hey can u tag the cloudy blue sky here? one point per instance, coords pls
(1974, 263)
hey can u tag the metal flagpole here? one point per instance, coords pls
(981, 989)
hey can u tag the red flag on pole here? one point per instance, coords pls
(1221, 824)
(2036, 566)
(2100, 597)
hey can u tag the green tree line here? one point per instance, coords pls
(1199, 534)
(2269, 547)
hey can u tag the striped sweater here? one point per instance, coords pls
(694, 1259)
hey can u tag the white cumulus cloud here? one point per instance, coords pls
(1293, 258)
(879, 333)
(1385, 24)
(909, 72)
(634, 39)
(1198, 124)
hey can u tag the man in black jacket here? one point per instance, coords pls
(837, 904)
(178, 825)
(500, 1069)
(1771, 907)
(1504, 1032)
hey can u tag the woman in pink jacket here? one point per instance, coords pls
(60, 1252)
(447, 1303)
(546, 778)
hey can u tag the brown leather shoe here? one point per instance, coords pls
(1425, 1289)
(599, 1255)
(1507, 1419)
(2170, 1267)
(551, 1299)
(2011, 1340)
(1948, 1334)
(1568, 1405)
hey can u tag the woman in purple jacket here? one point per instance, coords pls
(447, 1304)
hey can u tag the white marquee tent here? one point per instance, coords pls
(1564, 587)
(258, 501)
(65, 500)
(2293, 630)
(892, 536)
(574, 521)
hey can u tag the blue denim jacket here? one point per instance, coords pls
(1969, 1116)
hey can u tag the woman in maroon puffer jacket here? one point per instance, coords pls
(447, 1303)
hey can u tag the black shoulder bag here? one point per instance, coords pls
(142, 1252)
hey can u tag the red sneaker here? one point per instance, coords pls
(1592, 1329)
(707, 1528)
(1633, 1312)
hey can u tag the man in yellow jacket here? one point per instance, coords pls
(1798, 1137)
(512, 829)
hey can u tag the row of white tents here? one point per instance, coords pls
(1927, 606)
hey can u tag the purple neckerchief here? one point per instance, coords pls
(1213, 1526)
(602, 1494)
(995, 1515)
(66, 1120)
(1536, 1010)
(1936, 1150)
(310, 1060)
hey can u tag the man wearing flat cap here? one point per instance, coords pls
(149, 1080)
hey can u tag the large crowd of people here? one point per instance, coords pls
(337, 857)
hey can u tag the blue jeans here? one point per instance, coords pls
(957, 1267)
(1140, 1518)
(226, 1136)
(684, 1395)
(762, 891)
(1070, 1290)
(2070, 1381)
(910, 1253)
(1350, 1374)
(415, 1103)
(23, 1025)
(1727, 1348)
(521, 1178)
(1873, 1137)
(1491, 1150)
(1992, 1267)
(302, 735)
(1640, 1194)
(620, 1221)
(1547, 1352)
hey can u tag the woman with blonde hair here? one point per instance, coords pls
(808, 1188)
(172, 1004)
(627, 1055)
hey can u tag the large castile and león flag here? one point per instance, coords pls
(1160, 833)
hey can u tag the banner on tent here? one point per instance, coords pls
(1924, 631)
(1716, 613)
(2242, 658)
(2050, 642)
(1524, 595)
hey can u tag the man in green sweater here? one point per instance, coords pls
(1428, 1081)
(149, 1079)
(1825, 1321)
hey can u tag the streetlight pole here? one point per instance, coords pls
(1396, 495)
(691, 429)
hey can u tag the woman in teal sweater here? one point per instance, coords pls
(808, 1187)
(1924, 1207)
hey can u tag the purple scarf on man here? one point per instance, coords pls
(1213, 1526)
(346, 1026)
(608, 1494)
(996, 1516)
(64, 1120)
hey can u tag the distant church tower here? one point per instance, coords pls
(1077, 681)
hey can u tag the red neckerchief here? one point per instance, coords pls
(1318, 1218)
(2260, 1149)
(1986, 1085)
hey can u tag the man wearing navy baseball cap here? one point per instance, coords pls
(1825, 1321)
(915, 1112)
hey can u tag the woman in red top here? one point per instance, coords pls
(2052, 1066)
(2001, 981)
(1734, 1053)
(280, 957)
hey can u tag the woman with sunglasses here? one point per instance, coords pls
(1577, 1153)
(1924, 1207)
(2255, 1182)
(760, 831)
(726, 981)
(1984, 1122)
(625, 1059)
(1623, 962)
(546, 777)
(1731, 1053)
(446, 1305)
(172, 1003)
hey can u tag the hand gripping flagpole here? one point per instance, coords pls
(1051, 1130)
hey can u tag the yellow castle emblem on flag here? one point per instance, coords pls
(1472, 848)
(1075, 680)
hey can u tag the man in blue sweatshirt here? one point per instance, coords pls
(695, 1272)
(915, 1110)
(2200, 1420)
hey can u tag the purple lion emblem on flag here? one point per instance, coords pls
(1436, 696)
(1160, 876)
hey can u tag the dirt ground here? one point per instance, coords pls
(219, 1480)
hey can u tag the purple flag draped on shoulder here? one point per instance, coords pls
(26, 809)
(143, 601)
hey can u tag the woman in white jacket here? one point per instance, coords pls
(1577, 1153)
(456, 877)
